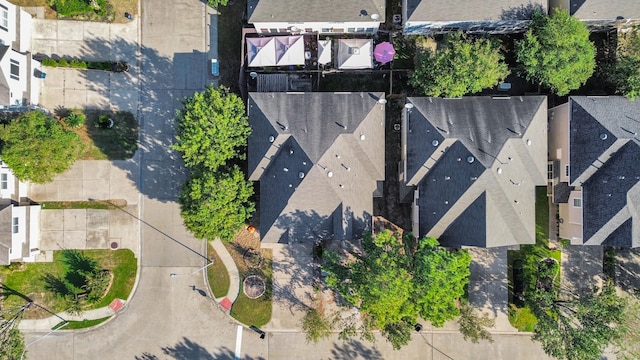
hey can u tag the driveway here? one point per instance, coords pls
(581, 268)
(488, 284)
(90, 41)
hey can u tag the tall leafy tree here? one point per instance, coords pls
(463, 66)
(579, 326)
(556, 52)
(212, 128)
(215, 204)
(394, 281)
(37, 147)
(625, 72)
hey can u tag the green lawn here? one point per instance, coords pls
(74, 325)
(28, 280)
(255, 312)
(217, 274)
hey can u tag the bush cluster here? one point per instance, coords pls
(79, 7)
(81, 64)
(74, 120)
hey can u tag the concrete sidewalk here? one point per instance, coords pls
(232, 269)
(48, 323)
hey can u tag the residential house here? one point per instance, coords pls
(19, 73)
(313, 16)
(601, 13)
(19, 220)
(319, 159)
(594, 150)
(426, 17)
(471, 166)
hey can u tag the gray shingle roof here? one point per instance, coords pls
(604, 149)
(604, 9)
(465, 10)
(318, 157)
(476, 162)
(293, 11)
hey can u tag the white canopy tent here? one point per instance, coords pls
(289, 50)
(324, 52)
(261, 51)
(355, 53)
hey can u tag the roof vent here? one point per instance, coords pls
(408, 106)
(354, 51)
(499, 170)
(330, 174)
(301, 175)
(363, 12)
(375, 16)
(603, 136)
(271, 138)
(290, 151)
(529, 142)
(362, 137)
(382, 101)
(471, 159)
(447, 177)
(435, 142)
(285, 169)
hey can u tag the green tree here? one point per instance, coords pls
(216, 3)
(212, 128)
(625, 72)
(462, 66)
(11, 345)
(556, 52)
(37, 147)
(473, 326)
(216, 204)
(393, 283)
(316, 325)
(578, 327)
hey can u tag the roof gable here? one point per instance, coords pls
(477, 147)
(318, 157)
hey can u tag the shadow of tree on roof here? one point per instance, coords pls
(522, 12)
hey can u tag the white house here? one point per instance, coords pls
(313, 16)
(19, 78)
(19, 220)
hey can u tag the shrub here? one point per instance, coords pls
(63, 62)
(74, 120)
(77, 64)
(49, 62)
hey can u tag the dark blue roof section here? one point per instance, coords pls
(421, 135)
(586, 134)
(280, 181)
(605, 193)
(445, 183)
(621, 237)
(470, 228)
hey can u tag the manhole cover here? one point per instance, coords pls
(114, 245)
(254, 286)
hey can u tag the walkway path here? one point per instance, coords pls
(232, 269)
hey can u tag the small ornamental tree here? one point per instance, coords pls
(463, 66)
(556, 52)
(37, 147)
(216, 204)
(395, 281)
(212, 128)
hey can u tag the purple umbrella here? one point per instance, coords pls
(384, 52)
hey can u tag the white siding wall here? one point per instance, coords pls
(19, 238)
(9, 35)
(17, 86)
(320, 27)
